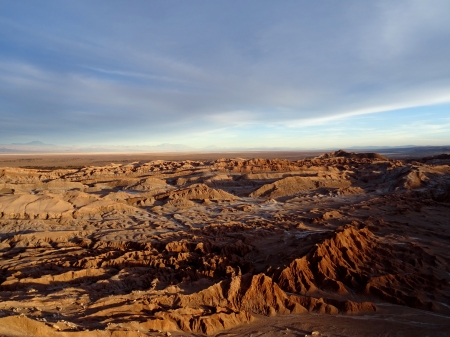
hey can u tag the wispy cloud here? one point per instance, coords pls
(151, 71)
(133, 74)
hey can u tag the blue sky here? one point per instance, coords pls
(306, 74)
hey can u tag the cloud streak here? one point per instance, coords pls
(101, 72)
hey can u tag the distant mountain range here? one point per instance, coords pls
(33, 143)
(6, 150)
(381, 147)
(40, 147)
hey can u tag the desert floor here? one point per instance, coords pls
(338, 244)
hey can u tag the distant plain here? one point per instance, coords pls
(78, 160)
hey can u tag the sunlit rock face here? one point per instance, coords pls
(207, 246)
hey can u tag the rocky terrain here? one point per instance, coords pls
(264, 247)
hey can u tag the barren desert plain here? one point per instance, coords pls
(337, 244)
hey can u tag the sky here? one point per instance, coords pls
(241, 74)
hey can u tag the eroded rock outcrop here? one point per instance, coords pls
(197, 192)
(355, 260)
(203, 246)
(293, 185)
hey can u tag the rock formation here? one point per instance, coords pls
(207, 246)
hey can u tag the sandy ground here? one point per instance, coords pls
(343, 244)
(64, 160)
